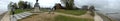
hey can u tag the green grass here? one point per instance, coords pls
(73, 12)
(19, 11)
(44, 10)
(65, 18)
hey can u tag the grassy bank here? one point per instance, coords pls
(73, 12)
(44, 10)
(65, 18)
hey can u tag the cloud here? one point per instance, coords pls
(99, 4)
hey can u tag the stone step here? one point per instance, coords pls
(21, 15)
(24, 15)
(17, 16)
(12, 18)
(27, 14)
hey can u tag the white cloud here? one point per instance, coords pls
(99, 4)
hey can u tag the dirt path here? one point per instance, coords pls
(87, 15)
(50, 17)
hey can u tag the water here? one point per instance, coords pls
(109, 8)
(113, 14)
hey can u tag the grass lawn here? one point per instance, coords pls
(44, 10)
(73, 12)
(65, 18)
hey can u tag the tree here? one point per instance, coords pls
(24, 5)
(63, 1)
(29, 5)
(15, 5)
(21, 4)
(10, 6)
(68, 3)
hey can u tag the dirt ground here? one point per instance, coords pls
(50, 17)
(40, 17)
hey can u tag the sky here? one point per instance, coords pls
(42, 3)
(103, 5)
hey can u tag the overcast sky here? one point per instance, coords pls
(103, 5)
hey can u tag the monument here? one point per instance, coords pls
(36, 7)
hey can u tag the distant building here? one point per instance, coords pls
(58, 6)
(85, 7)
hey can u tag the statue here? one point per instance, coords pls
(36, 0)
(37, 7)
(36, 4)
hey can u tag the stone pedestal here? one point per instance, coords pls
(36, 9)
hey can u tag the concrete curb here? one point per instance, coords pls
(97, 17)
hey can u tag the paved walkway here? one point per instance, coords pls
(1, 15)
(6, 17)
(105, 18)
(97, 18)
(87, 15)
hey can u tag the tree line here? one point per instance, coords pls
(20, 5)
